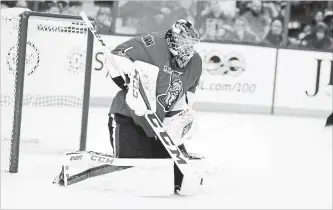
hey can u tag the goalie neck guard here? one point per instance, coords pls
(181, 39)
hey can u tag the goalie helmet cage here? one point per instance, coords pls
(73, 25)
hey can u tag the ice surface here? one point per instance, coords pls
(255, 161)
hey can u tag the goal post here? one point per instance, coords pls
(30, 41)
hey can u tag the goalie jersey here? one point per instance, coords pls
(172, 82)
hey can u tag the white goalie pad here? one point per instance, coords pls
(144, 177)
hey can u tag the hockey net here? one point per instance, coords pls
(50, 114)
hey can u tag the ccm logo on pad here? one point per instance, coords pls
(101, 159)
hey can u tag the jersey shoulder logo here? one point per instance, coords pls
(174, 91)
(148, 40)
(167, 68)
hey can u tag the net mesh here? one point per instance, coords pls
(53, 83)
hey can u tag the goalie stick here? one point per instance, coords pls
(153, 120)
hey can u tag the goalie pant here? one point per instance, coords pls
(129, 140)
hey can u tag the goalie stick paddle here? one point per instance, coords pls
(153, 120)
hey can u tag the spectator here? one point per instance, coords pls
(103, 20)
(21, 4)
(63, 6)
(307, 30)
(75, 7)
(275, 37)
(283, 9)
(240, 33)
(258, 20)
(138, 16)
(229, 8)
(6, 4)
(180, 11)
(319, 39)
(244, 6)
(328, 19)
(12, 4)
(272, 8)
(51, 7)
(318, 17)
(214, 24)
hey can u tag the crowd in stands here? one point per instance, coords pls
(243, 21)
(311, 25)
(59, 7)
(307, 24)
(100, 10)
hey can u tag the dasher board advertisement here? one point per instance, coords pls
(236, 78)
(304, 83)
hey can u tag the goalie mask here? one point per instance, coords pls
(181, 39)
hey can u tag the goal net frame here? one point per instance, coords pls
(19, 84)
